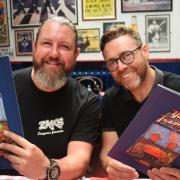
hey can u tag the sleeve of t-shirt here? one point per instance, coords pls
(87, 128)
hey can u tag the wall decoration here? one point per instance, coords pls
(157, 28)
(108, 25)
(23, 41)
(97, 10)
(34, 12)
(4, 29)
(89, 40)
(145, 5)
(134, 24)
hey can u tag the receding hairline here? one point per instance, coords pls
(62, 22)
(50, 23)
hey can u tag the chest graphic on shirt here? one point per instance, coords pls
(53, 126)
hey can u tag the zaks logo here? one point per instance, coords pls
(51, 124)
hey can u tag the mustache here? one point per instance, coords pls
(37, 65)
(54, 61)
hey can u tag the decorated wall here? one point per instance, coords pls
(156, 20)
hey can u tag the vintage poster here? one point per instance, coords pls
(108, 25)
(34, 12)
(24, 40)
(4, 31)
(99, 9)
(89, 40)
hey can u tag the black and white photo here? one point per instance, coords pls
(157, 32)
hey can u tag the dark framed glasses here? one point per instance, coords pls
(126, 58)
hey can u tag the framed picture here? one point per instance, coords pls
(98, 10)
(145, 5)
(89, 40)
(157, 28)
(108, 25)
(23, 41)
(34, 12)
(4, 29)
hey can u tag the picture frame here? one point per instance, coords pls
(157, 28)
(4, 28)
(23, 42)
(33, 13)
(145, 5)
(98, 10)
(89, 40)
(108, 25)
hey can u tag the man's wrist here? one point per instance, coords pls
(43, 175)
(53, 171)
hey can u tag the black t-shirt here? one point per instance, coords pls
(52, 120)
(119, 106)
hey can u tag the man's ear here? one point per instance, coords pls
(145, 50)
(77, 52)
(33, 46)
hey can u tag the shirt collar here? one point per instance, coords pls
(158, 76)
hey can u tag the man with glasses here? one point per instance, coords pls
(127, 59)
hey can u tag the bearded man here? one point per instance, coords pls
(59, 115)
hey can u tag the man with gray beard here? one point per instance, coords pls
(59, 115)
(126, 58)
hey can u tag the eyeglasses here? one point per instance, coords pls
(126, 58)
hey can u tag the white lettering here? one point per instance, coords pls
(51, 124)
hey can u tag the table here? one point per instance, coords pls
(4, 177)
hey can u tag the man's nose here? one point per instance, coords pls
(54, 52)
(120, 65)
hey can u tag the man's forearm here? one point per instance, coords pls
(72, 168)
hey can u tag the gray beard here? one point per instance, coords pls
(50, 80)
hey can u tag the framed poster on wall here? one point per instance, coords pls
(97, 10)
(89, 40)
(34, 12)
(23, 41)
(108, 25)
(4, 28)
(157, 28)
(145, 5)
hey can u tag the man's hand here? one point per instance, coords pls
(120, 171)
(114, 168)
(164, 173)
(26, 158)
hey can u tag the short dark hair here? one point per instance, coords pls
(118, 31)
(62, 21)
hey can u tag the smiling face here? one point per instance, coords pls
(132, 75)
(54, 55)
